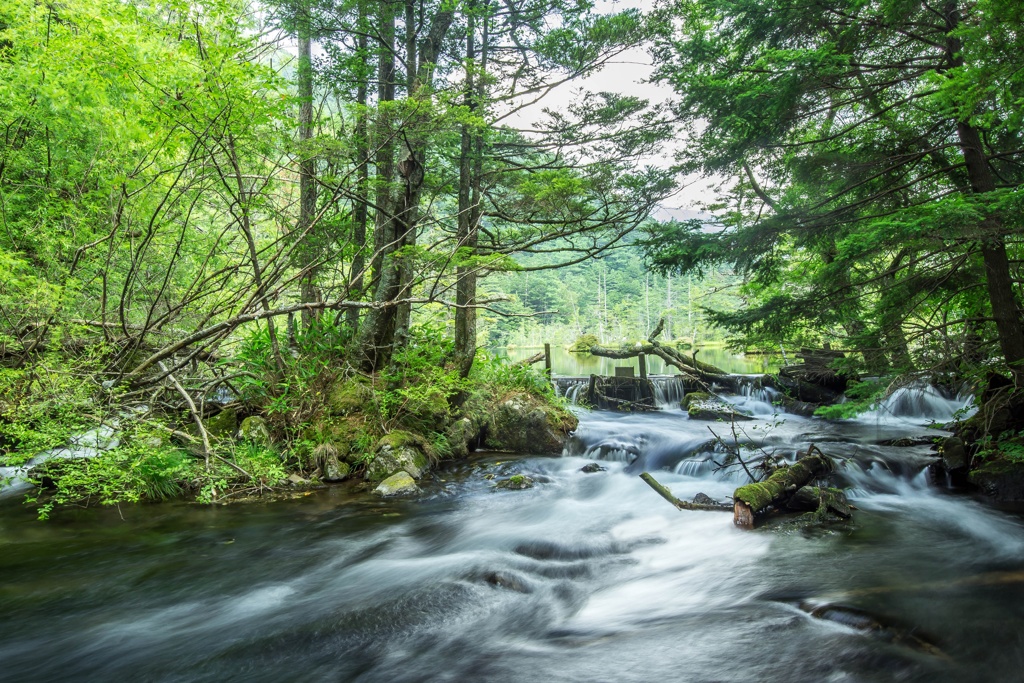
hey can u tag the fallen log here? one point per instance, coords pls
(535, 358)
(694, 371)
(680, 504)
(753, 499)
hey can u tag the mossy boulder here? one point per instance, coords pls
(398, 451)
(695, 397)
(524, 423)
(349, 395)
(254, 429)
(347, 435)
(463, 435)
(223, 425)
(1000, 479)
(398, 484)
(327, 459)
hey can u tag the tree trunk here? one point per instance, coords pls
(377, 333)
(359, 211)
(470, 170)
(307, 168)
(753, 499)
(998, 278)
(993, 251)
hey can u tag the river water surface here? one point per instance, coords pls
(586, 577)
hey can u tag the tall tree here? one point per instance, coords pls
(864, 154)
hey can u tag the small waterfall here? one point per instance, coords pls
(921, 402)
(756, 399)
(572, 388)
(668, 391)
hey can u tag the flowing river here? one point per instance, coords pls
(586, 577)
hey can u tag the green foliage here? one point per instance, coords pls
(416, 387)
(144, 466)
(42, 406)
(504, 376)
(861, 397)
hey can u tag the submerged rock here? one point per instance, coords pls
(592, 467)
(398, 484)
(517, 482)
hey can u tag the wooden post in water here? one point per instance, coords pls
(547, 360)
(642, 357)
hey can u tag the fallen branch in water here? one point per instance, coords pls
(680, 504)
(782, 486)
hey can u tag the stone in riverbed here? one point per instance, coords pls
(399, 484)
(704, 499)
(398, 451)
(701, 406)
(523, 423)
(517, 482)
(592, 467)
(954, 455)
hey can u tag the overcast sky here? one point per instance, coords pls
(627, 74)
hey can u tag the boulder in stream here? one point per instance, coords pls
(398, 484)
(517, 482)
(398, 451)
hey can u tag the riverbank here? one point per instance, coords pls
(265, 434)
(585, 575)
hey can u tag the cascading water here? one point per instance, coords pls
(920, 402)
(584, 577)
(668, 391)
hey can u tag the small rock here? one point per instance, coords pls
(507, 581)
(398, 484)
(704, 499)
(297, 480)
(590, 468)
(517, 482)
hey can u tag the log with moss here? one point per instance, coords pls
(754, 499)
